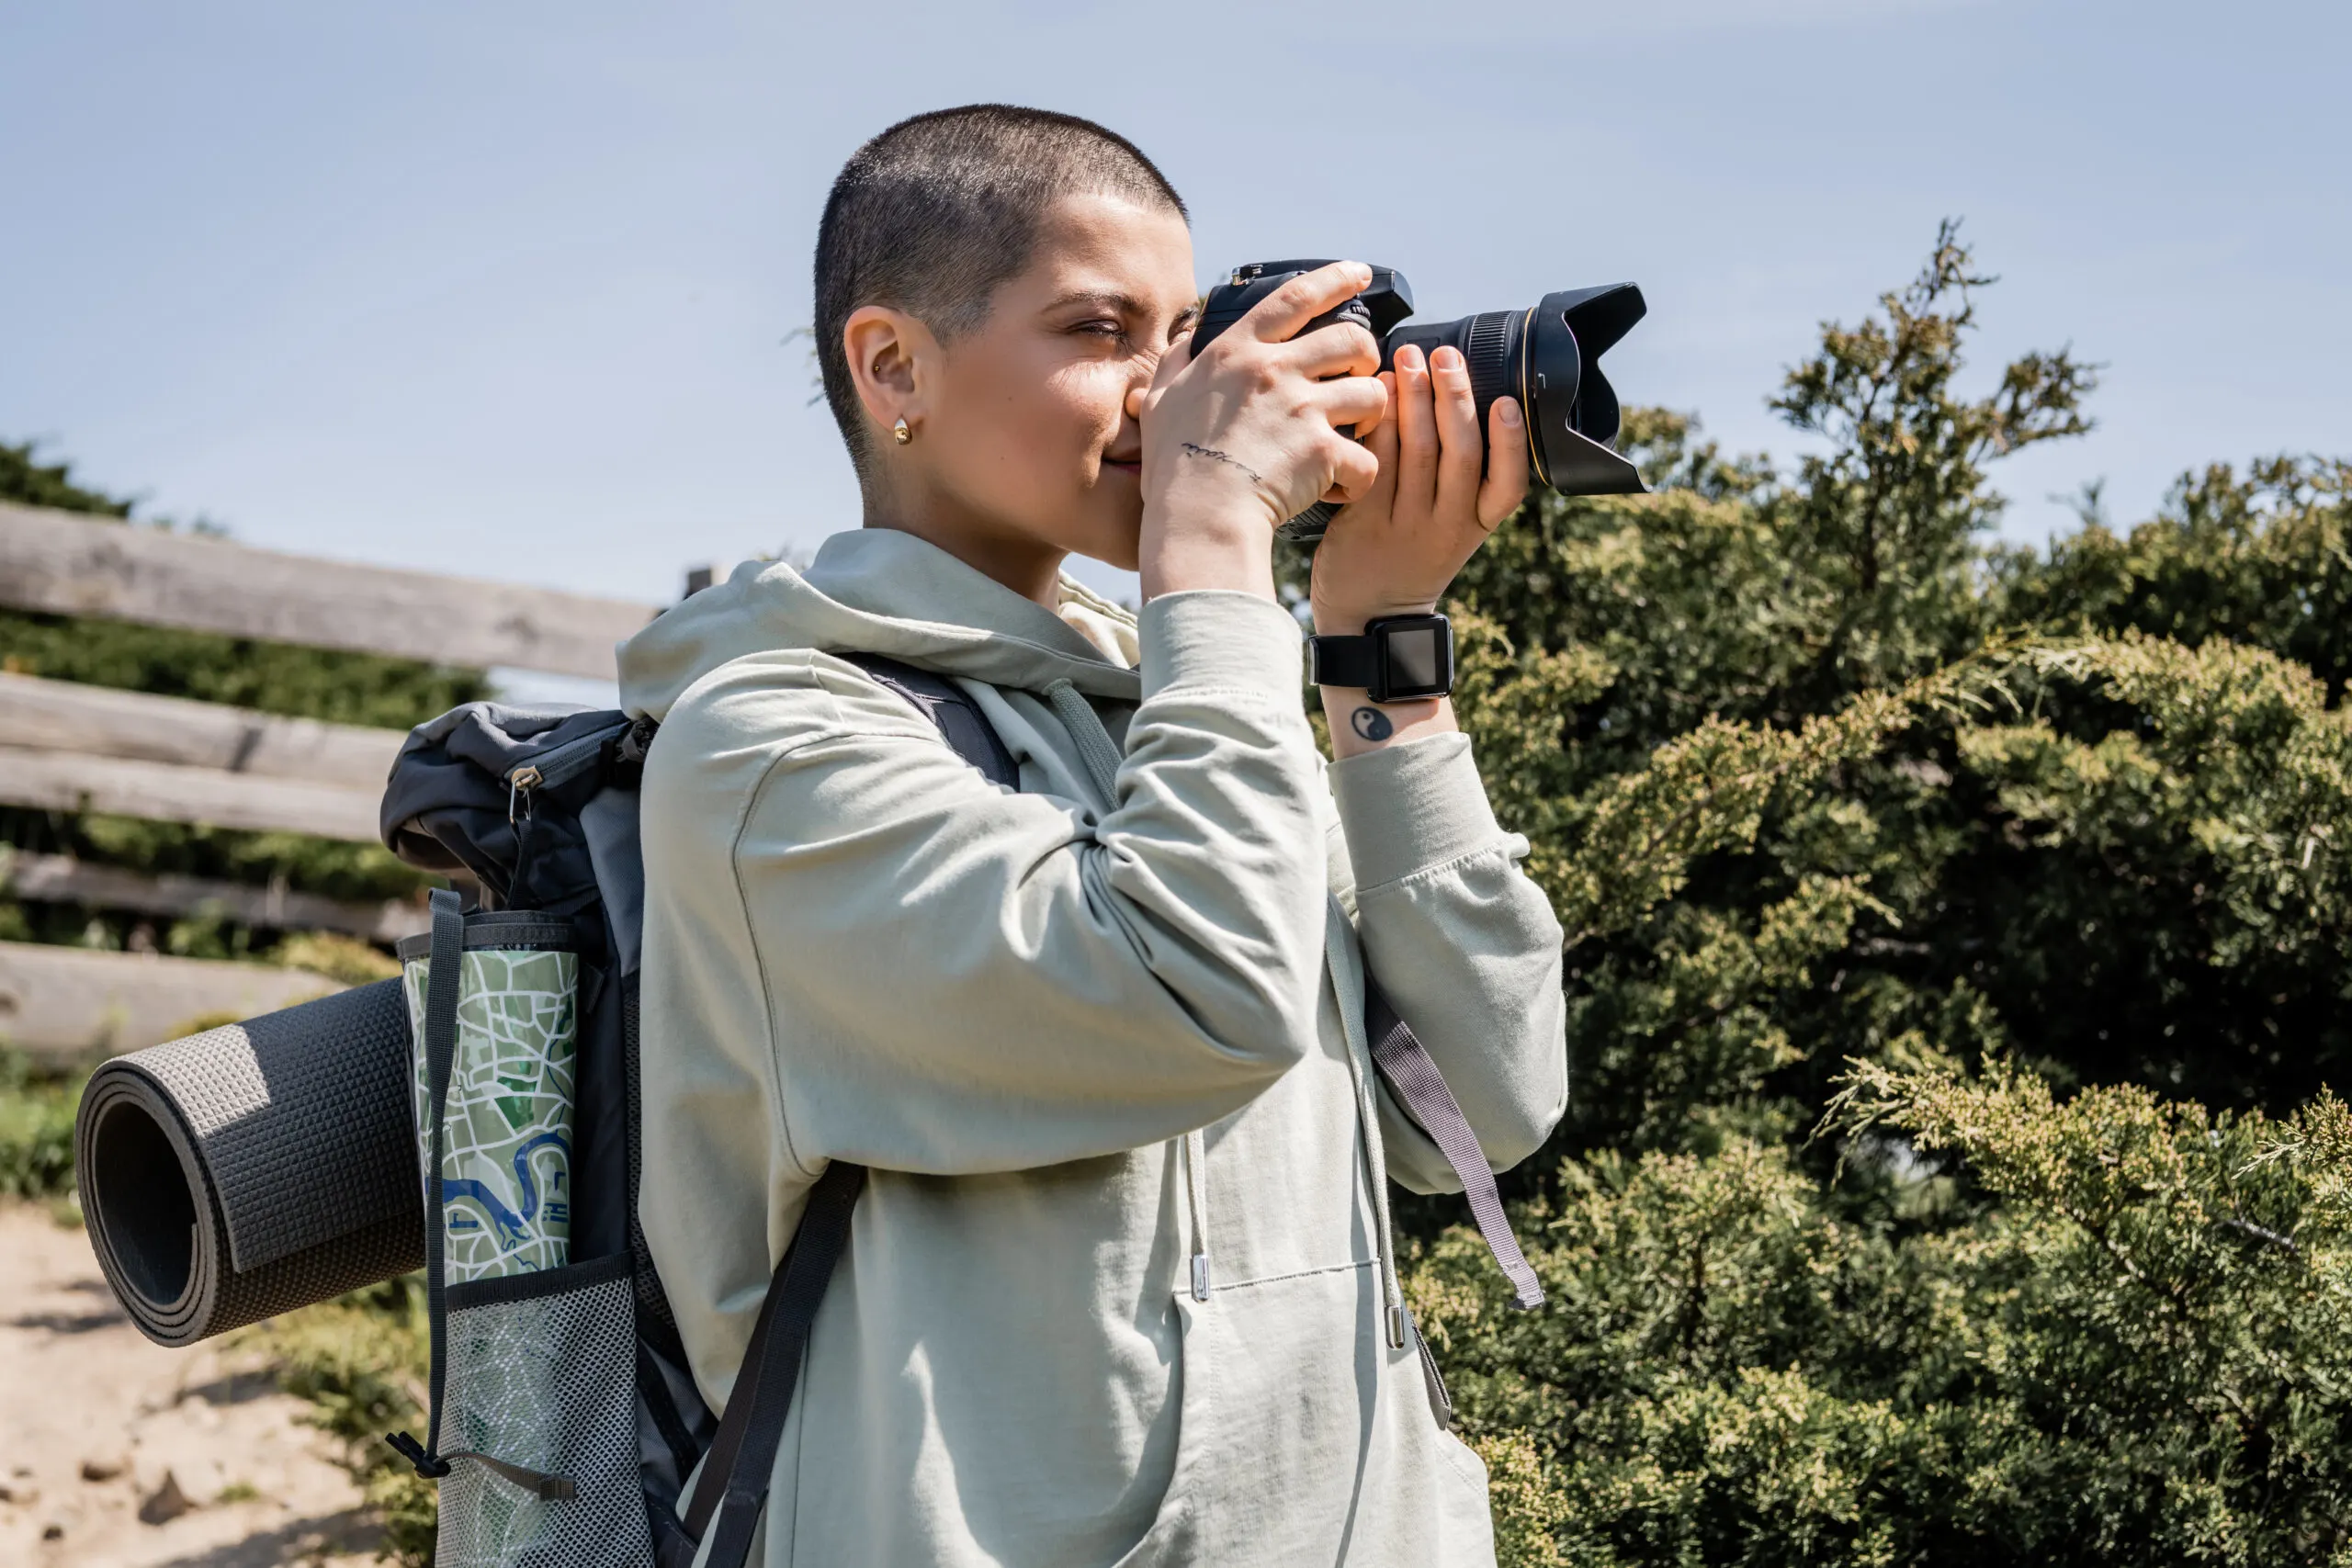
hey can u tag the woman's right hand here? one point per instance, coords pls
(1250, 434)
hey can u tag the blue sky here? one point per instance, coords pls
(504, 289)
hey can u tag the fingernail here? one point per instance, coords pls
(1446, 357)
(1508, 408)
(1409, 358)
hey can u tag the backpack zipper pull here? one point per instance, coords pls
(519, 785)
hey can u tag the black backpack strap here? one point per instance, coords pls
(732, 1488)
(959, 718)
(733, 1485)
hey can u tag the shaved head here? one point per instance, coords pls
(932, 215)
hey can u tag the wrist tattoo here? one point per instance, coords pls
(1370, 723)
(1192, 451)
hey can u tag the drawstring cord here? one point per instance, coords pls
(1094, 743)
(1196, 1195)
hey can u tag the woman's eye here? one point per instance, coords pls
(1104, 328)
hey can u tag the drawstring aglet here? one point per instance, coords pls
(1200, 1276)
(1397, 1328)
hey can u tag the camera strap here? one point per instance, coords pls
(1405, 1061)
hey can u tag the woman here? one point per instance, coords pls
(1120, 1288)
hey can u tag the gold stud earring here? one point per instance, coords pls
(901, 432)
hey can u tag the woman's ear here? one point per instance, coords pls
(894, 361)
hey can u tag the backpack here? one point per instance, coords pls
(563, 1420)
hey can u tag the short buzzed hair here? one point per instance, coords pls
(932, 215)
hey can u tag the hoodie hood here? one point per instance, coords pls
(881, 590)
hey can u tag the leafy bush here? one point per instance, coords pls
(344, 958)
(1922, 897)
(2136, 1357)
(36, 1128)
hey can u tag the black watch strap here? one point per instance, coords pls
(1342, 660)
(1398, 659)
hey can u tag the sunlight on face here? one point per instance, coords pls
(1029, 438)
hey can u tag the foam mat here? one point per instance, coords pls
(253, 1168)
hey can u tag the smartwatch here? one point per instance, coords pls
(1398, 659)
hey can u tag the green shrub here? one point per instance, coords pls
(2138, 1356)
(1960, 947)
(36, 1128)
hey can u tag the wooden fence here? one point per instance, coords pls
(69, 747)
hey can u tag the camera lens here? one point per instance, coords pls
(1548, 358)
(1493, 343)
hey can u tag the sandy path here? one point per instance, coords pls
(84, 1394)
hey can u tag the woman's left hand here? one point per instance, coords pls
(1396, 550)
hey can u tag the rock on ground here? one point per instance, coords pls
(98, 1426)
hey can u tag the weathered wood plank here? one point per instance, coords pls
(165, 792)
(60, 1003)
(62, 879)
(69, 565)
(67, 716)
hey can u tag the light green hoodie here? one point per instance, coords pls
(1081, 1033)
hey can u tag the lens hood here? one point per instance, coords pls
(1571, 408)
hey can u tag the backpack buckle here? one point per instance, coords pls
(430, 1466)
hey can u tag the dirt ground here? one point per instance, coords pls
(117, 1453)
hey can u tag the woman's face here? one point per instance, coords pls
(1023, 438)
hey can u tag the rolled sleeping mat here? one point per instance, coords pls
(254, 1168)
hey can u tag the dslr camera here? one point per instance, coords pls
(1548, 356)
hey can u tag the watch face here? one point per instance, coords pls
(1415, 657)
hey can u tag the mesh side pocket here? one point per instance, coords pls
(542, 1374)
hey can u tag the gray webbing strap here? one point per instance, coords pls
(1405, 1061)
(551, 1488)
(438, 1040)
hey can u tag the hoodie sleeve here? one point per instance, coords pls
(948, 978)
(1466, 948)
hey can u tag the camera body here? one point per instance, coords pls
(1548, 356)
(1384, 302)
